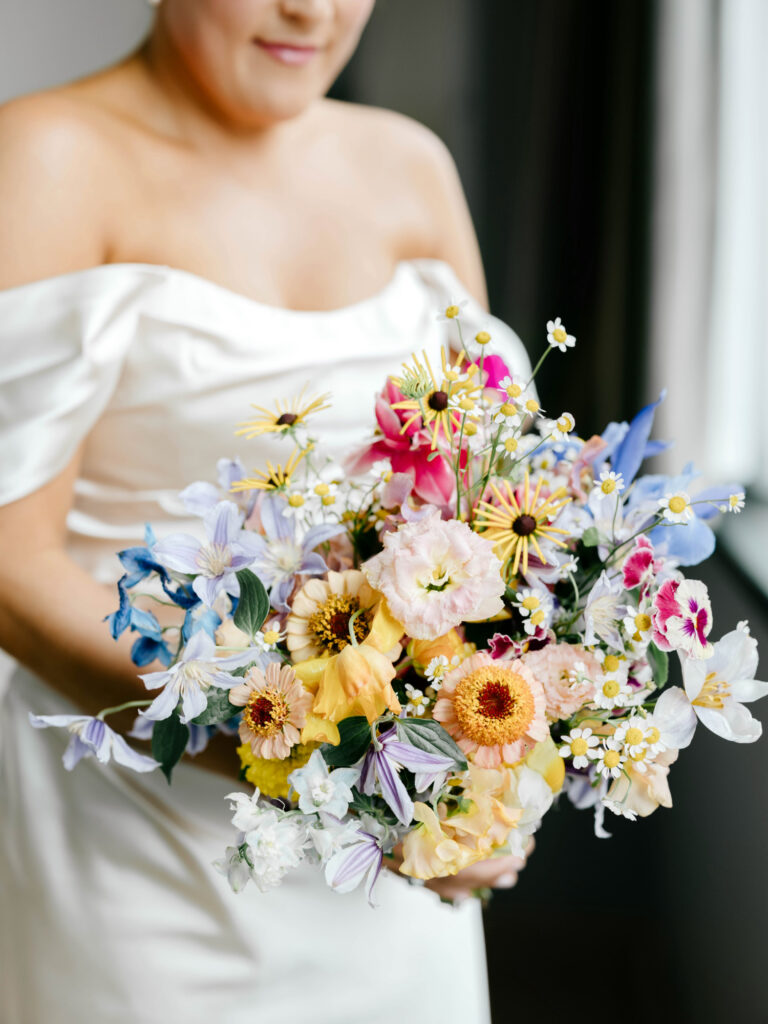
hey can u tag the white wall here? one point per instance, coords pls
(45, 42)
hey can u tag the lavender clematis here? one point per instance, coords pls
(349, 866)
(381, 767)
(199, 498)
(214, 562)
(191, 677)
(92, 737)
(283, 554)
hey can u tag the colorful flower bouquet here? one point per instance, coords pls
(420, 650)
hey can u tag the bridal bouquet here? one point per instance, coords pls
(417, 651)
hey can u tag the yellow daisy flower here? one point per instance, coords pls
(517, 524)
(440, 402)
(275, 478)
(284, 416)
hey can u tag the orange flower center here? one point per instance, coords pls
(494, 705)
(330, 624)
(266, 712)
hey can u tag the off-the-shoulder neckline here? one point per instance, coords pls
(201, 282)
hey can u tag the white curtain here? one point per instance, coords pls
(710, 255)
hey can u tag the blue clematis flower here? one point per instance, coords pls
(92, 737)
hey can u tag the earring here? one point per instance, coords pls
(154, 3)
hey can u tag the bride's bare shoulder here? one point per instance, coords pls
(411, 165)
(54, 162)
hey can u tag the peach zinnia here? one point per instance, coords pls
(275, 706)
(496, 711)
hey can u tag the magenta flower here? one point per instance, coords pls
(408, 452)
(682, 618)
(641, 566)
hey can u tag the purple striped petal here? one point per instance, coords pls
(276, 525)
(392, 789)
(222, 523)
(98, 735)
(76, 750)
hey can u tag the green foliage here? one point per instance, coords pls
(426, 734)
(590, 538)
(659, 662)
(169, 740)
(218, 709)
(253, 606)
(355, 739)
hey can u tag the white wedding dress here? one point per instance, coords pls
(110, 910)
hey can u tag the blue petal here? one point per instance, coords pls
(146, 650)
(689, 544)
(718, 495)
(144, 622)
(631, 451)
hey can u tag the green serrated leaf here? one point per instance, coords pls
(218, 709)
(253, 606)
(659, 662)
(169, 740)
(426, 734)
(590, 538)
(355, 739)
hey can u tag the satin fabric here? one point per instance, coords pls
(110, 908)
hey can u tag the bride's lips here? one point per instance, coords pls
(288, 53)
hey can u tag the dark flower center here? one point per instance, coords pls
(287, 419)
(438, 401)
(524, 525)
(495, 700)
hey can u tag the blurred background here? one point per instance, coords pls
(614, 156)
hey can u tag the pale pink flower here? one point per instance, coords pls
(275, 706)
(556, 667)
(436, 574)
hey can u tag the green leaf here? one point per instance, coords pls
(218, 708)
(426, 734)
(355, 739)
(659, 662)
(253, 606)
(590, 538)
(169, 739)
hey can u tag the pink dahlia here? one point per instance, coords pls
(495, 710)
(436, 574)
(555, 666)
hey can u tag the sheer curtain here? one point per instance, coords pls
(710, 255)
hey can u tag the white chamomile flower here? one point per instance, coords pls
(512, 390)
(417, 702)
(580, 745)
(509, 414)
(631, 734)
(609, 483)
(557, 336)
(653, 739)
(568, 567)
(563, 426)
(534, 608)
(735, 504)
(381, 470)
(637, 624)
(610, 759)
(623, 812)
(437, 669)
(676, 508)
(268, 637)
(452, 311)
(611, 692)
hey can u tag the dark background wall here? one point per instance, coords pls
(547, 106)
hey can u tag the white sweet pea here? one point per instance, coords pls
(321, 790)
(715, 693)
(529, 791)
(274, 846)
(235, 867)
(247, 810)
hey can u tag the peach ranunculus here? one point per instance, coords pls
(555, 667)
(436, 574)
(495, 710)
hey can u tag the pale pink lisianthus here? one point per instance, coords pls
(555, 667)
(436, 574)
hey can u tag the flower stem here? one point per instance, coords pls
(123, 707)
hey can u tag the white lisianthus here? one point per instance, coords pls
(715, 692)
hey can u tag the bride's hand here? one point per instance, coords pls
(495, 873)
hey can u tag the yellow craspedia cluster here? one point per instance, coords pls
(270, 775)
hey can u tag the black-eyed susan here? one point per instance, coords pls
(285, 416)
(439, 402)
(275, 477)
(516, 522)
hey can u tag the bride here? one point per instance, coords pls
(183, 234)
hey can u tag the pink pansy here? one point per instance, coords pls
(408, 452)
(640, 566)
(682, 618)
(436, 574)
(502, 646)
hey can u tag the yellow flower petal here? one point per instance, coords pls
(545, 760)
(320, 730)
